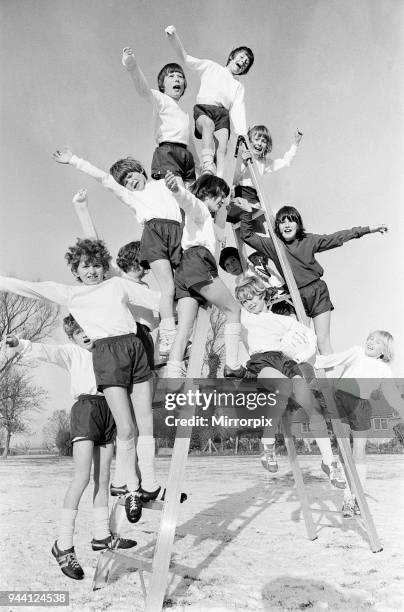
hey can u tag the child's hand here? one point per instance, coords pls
(243, 203)
(171, 181)
(246, 155)
(12, 341)
(170, 30)
(63, 157)
(383, 229)
(298, 137)
(80, 197)
(128, 58)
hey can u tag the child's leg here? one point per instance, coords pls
(322, 329)
(222, 137)
(206, 127)
(187, 309)
(164, 276)
(359, 456)
(142, 406)
(216, 293)
(102, 463)
(118, 402)
(82, 456)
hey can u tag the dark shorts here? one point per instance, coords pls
(315, 298)
(197, 269)
(91, 419)
(248, 193)
(273, 359)
(175, 157)
(219, 115)
(120, 361)
(143, 332)
(161, 239)
(354, 411)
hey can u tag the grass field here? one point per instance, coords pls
(241, 542)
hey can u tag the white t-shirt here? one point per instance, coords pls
(171, 123)
(199, 226)
(155, 201)
(76, 360)
(268, 332)
(220, 88)
(265, 165)
(101, 310)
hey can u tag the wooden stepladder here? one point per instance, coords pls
(322, 382)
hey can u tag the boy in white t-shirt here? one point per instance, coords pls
(171, 129)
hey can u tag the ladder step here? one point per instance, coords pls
(112, 562)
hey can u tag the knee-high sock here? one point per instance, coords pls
(125, 469)
(66, 528)
(145, 455)
(100, 527)
(232, 333)
(318, 428)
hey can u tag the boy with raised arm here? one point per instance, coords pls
(157, 211)
(92, 430)
(171, 123)
(220, 97)
(120, 364)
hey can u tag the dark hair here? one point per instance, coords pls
(93, 251)
(261, 130)
(70, 326)
(208, 185)
(248, 53)
(121, 168)
(128, 257)
(225, 254)
(169, 69)
(290, 211)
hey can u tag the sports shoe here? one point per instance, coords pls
(229, 372)
(335, 474)
(68, 562)
(133, 506)
(112, 543)
(357, 510)
(146, 496)
(115, 491)
(268, 458)
(348, 508)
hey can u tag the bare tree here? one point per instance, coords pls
(214, 351)
(57, 432)
(18, 398)
(24, 317)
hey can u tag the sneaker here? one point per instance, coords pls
(146, 496)
(229, 372)
(348, 509)
(68, 562)
(112, 543)
(133, 506)
(357, 510)
(268, 459)
(334, 473)
(116, 491)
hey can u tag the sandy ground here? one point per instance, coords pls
(241, 541)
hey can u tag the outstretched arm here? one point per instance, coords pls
(65, 156)
(53, 292)
(50, 353)
(325, 242)
(80, 203)
(176, 42)
(337, 359)
(286, 160)
(186, 200)
(141, 85)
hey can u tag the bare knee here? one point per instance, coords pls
(81, 480)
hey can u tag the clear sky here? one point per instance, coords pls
(333, 68)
